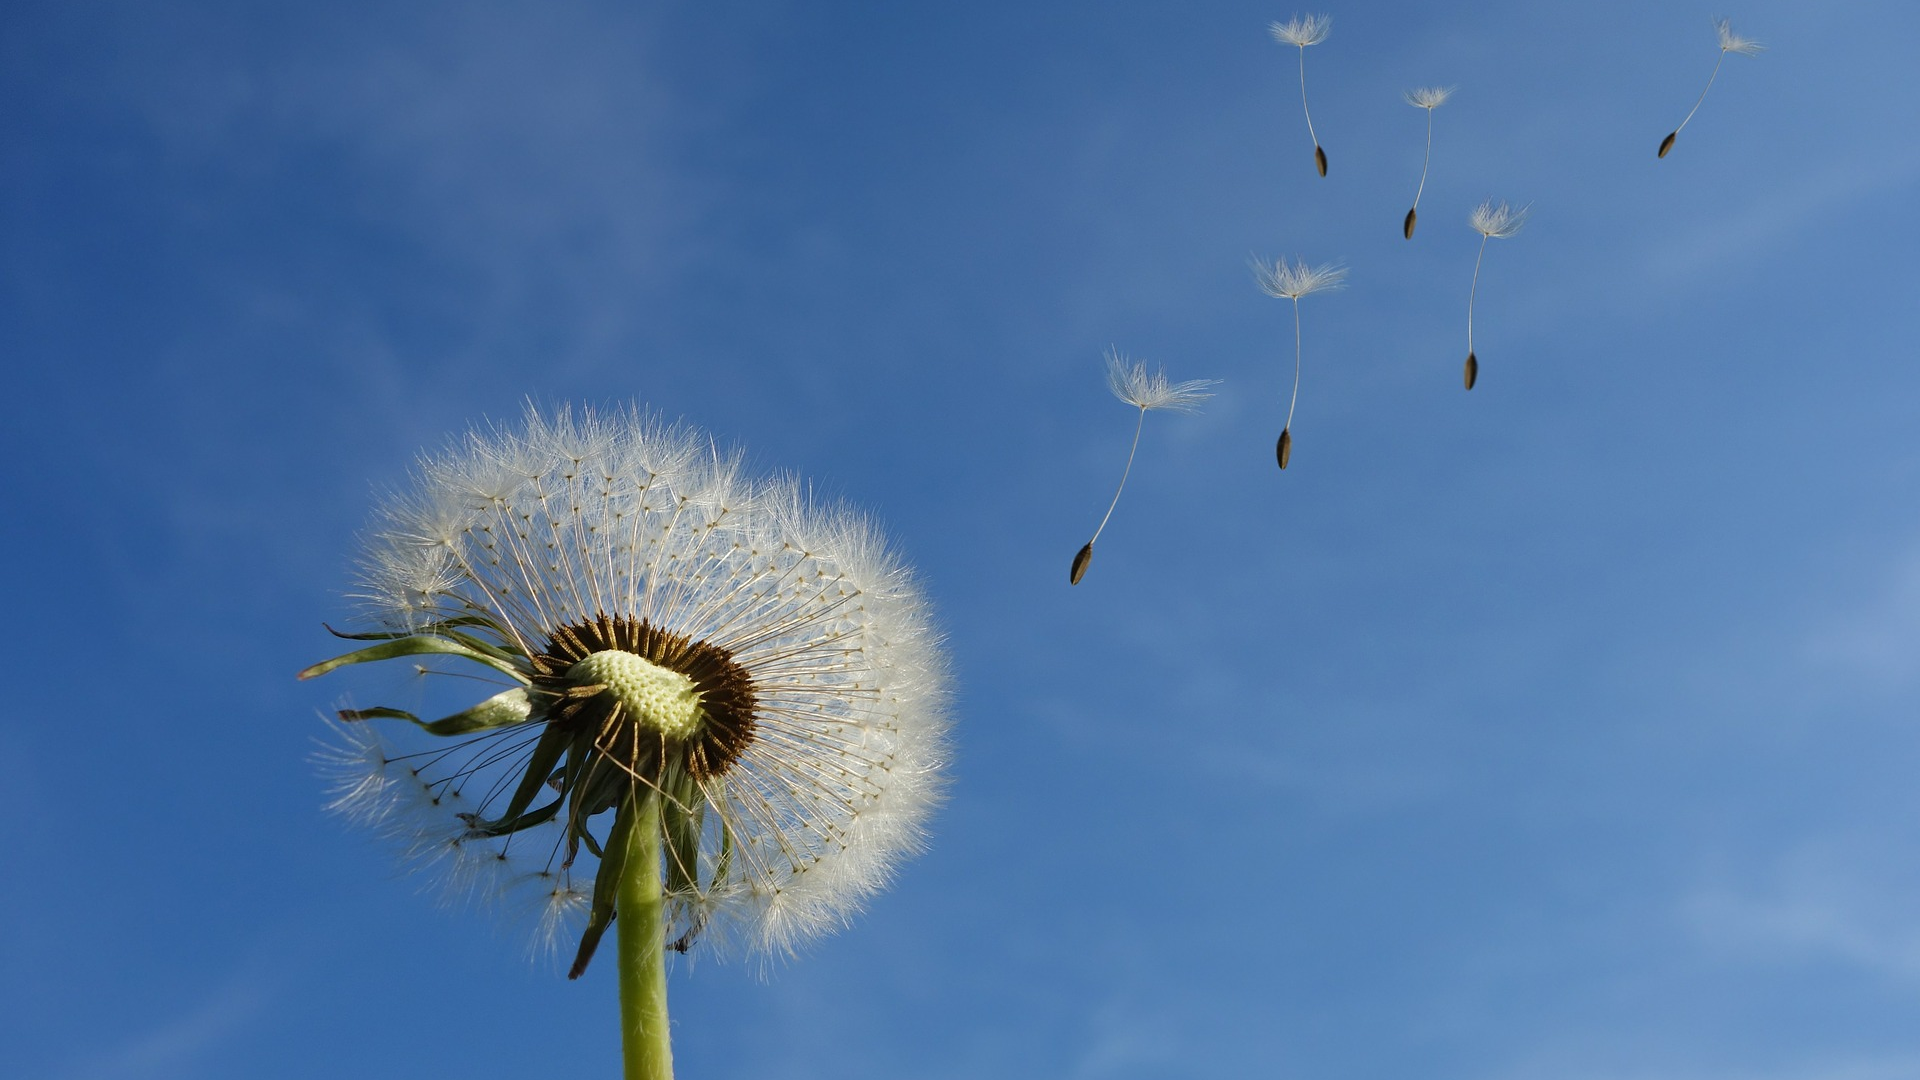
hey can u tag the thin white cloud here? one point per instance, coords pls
(1770, 217)
(1819, 905)
(1876, 637)
(1572, 1065)
(175, 1044)
(536, 162)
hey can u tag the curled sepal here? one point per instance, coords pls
(500, 710)
(416, 645)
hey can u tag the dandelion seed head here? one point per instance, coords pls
(1291, 281)
(1734, 43)
(1135, 385)
(1497, 221)
(765, 664)
(1302, 30)
(1429, 97)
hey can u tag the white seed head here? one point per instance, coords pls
(1135, 385)
(1497, 221)
(1302, 30)
(520, 534)
(1291, 281)
(1734, 43)
(1429, 97)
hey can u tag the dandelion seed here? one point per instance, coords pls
(1144, 390)
(1492, 222)
(721, 713)
(1305, 30)
(1428, 98)
(1730, 42)
(1291, 281)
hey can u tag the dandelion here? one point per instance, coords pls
(1730, 42)
(1428, 98)
(721, 709)
(1492, 223)
(1282, 280)
(1305, 30)
(1143, 390)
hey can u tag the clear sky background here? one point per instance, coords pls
(1566, 728)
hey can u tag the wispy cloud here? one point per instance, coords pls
(1817, 905)
(177, 1043)
(1878, 637)
(1774, 215)
(537, 163)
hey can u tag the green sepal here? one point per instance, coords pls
(479, 827)
(600, 789)
(500, 710)
(553, 742)
(682, 813)
(447, 628)
(416, 645)
(606, 884)
(382, 713)
(723, 864)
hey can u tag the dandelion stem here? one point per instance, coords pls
(1703, 93)
(1142, 422)
(1296, 366)
(1472, 292)
(645, 1042)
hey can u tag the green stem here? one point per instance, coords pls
(645, 1042)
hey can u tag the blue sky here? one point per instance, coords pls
(1564, 728)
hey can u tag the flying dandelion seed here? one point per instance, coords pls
(1428, 98)
(1730, 42)
(1492, 223)
(1143, 390)
(730, 698)
(1284, 281)
(1305, 30)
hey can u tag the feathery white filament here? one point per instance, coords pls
(1138, 387)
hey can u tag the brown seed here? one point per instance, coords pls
(1412, 215)
(1666, 144)
(1320, 158)
(1080, 562)
(1284, 448)
(1473, 371)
